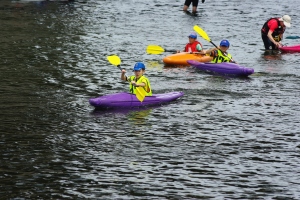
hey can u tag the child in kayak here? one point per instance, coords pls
(220, 54)
(138, 79)
(194, 46)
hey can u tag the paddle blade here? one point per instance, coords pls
(202, 33)
(114, 60)
(154, 49)
(140, 94)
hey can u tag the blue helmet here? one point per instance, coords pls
(225, 43)
(193, 35)
(139, 66)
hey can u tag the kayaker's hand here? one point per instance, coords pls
(123, 71)
(133, 83)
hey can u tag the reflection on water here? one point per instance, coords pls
(129, 112)
(272, 55)
(153, 65)
(227, 138)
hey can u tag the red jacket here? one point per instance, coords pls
(192, 47)
(272, 24)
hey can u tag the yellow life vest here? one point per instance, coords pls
(219, 57)
(142, 79)
(277, 38)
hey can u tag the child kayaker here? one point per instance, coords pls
(138, 79)
(220, 54)
(194, 46)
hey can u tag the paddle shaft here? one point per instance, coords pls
(118, 66)
(170, 50)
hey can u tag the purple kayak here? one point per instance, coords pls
(224, 68)
(128, 100)
(290, 49)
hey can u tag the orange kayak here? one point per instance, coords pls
(182, 58)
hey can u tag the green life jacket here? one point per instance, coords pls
(142, 79)
(220, 57)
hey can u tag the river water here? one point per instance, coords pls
(226, 138)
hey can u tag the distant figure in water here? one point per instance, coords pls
(187, 3)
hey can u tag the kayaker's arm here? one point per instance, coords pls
(208, 51)
(138, 84)
(123, 76)
(178, 51)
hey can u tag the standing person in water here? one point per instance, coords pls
(187, 3)
(272, 31)
(194, 46)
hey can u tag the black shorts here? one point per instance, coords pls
(188, 3)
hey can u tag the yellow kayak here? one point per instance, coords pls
(182, 58)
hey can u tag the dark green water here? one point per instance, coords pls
(227, 138)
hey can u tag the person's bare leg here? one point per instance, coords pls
(194, 9)
(185, 7)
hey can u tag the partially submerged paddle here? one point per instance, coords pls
(155, 49)
(204, 35)
(292, 37)
(140, 92)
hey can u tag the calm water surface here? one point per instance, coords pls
(227, 138)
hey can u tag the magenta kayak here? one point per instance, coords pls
(225, 68)
(128, 100)
(290, 49)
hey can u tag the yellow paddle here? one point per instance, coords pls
(114, 60)
(140, 92)
(155, 49)
(204, 35)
